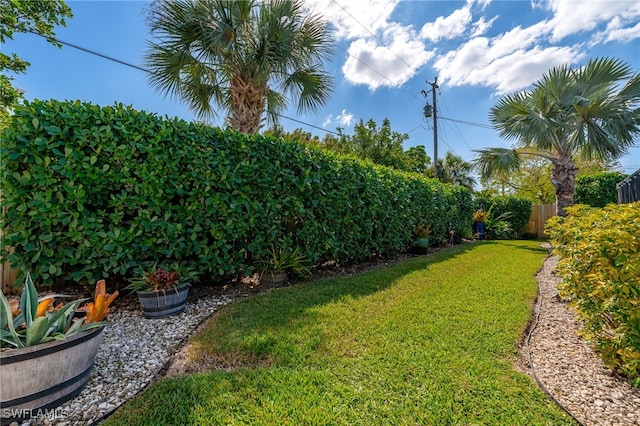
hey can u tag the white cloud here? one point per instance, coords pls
(386, 53)
(354, 18)
(502, 63)
(571, 17)
(391, 64)
(481, 26)
(616, 32)
(345, 118)
(447, 27)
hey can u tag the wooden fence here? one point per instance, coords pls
(7, 275)
(539, 216)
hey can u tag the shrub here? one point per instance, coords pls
(508, 216)
(600, 267)
(597, 190)
(93, 192)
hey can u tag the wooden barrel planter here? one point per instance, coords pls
(42, 377)
(274, 278)
(164, 303)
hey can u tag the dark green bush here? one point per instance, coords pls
(509, 215)
(93, 192)
(598, 189)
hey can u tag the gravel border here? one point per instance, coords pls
(569, 369)
(135, 351)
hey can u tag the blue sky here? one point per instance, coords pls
(386, 51)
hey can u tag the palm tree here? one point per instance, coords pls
(453, 169)
(244, 56)
(591, 113)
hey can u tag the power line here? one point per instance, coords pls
(93, 52)
(307, 124)
(469, 123)
(110, 58)
(455, 128)
(137, 67)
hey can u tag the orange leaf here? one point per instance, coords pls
(15, 307)
(99, 308)
(43, 307)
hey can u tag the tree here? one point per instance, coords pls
(299, 135)
(453, 169)
(381, 145)
(531, 180)
(21, 17)
(591, 112)
(242, 55)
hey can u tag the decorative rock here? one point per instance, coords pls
(564, 362)
(568, 366)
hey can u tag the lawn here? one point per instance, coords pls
(431, 340)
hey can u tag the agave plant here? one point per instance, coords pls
(34, 320)
(286, 259)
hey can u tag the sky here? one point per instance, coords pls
(387, 52)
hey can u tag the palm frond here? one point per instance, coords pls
(495, 161)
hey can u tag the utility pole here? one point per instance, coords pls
(434, 86)
(428, 111)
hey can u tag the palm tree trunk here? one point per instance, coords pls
(563, 178)
(247, 105)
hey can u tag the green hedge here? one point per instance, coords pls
(598, 189)
(95, 192)
(515, 213)
(600, 267)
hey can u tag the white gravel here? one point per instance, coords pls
(570, 369)
(135, 350)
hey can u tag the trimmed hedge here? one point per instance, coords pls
(96, 192)
(516, 212)
(600, 267)
(598, 189)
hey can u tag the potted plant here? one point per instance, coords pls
(479, 218)
(161, 291)
(47, 349)
(421, 234)
(275, 267)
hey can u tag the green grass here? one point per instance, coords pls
(427, 341)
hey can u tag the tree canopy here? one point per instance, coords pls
(20, 17)
(590, 113)
(242, 56)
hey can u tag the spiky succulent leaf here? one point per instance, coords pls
(9, 334)
(36, 331)
(29, 301)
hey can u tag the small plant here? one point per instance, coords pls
(422, 231)
(34, 320)
(286, 260)
(480, 216)
(99, 308)
(159, 279)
